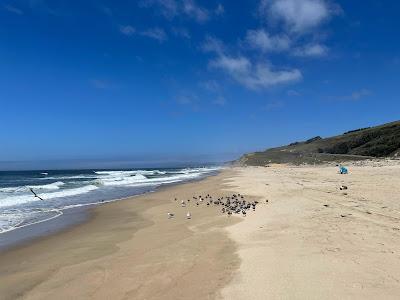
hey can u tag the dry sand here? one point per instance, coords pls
(311, 241)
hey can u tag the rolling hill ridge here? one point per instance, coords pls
(359, 144)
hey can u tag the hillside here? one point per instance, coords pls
(364, 143)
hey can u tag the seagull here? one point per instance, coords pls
(170, 215)
(188, 215)
(36, 196)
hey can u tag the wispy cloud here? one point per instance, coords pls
(192, 10)
(293, 93)
(188, 99)
(253, 75)
(167, 8)
(174, 8)
(211, 86)
(293, 29)
(212, 44)
(262, 40)
(311, 50)
(181, 32)
(220, 101)
(220, 10)
(299, 16)
(105, 10)
(127, 30)
(13, 9)
(357, 95)
(153, 33)
(215, 90)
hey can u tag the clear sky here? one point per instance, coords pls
(185, 80)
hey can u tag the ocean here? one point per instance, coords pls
(66, 189)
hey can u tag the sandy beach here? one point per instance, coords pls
(199, 150)
(310, 241)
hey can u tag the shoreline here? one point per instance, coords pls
(122, 228)
(80, 213)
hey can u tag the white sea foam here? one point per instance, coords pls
(136, 178)
(10, 220)
(19, 208)
(83, 176)
(129, 173)
(51, 186)
(18, 219)
(28, 198)
(12, 189)
(121, 180)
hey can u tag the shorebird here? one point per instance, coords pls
(36, 196)
(170, 215)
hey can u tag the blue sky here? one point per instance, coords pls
(185, 80)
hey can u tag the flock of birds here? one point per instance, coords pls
(235, 204)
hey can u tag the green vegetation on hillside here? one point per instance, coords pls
(372, 142)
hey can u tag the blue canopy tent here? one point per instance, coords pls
(343, 170)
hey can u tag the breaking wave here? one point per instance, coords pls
(67, 189)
